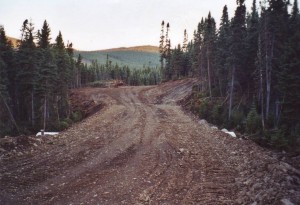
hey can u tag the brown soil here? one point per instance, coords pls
(142, 148)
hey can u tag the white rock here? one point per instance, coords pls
(181, 150)
(202, 122)
(232, 134)
(214, 128)
(224, 130)
(47, 133)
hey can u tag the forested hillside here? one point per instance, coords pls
(248, 70)
(133, 57)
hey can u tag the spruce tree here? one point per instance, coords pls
(64, 78)
(162, 45)
(289, 75)
(47, 74)
(27, 74)
(238, 29)
(44, 36)
(209, 39)
(251, 51)
(222, 52)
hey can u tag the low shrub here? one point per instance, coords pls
(76, 116)
(253, 122)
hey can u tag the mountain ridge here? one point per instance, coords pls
(134, 57)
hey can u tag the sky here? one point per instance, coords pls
(102, 24)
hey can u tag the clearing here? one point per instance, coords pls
(143, 148)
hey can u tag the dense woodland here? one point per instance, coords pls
(36, 78)
(248, 69)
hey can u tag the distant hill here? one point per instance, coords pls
(14, 41)
(148, 48)
(134, 57)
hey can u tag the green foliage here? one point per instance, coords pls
(253, 58)
(4, 129)
(132, 59)
(76, 116)
(237, 120)
(97, 74)
(204, 109)
(63, 125)
(278, 139)
(253, 121)
(217, 114)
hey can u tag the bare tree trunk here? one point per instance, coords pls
(208, 72)
(202, 72)
(56, 108)
(77, 78)
(269, 73)
(261, 93)
(261, 90)
(32, 110)
(45, 113)
(10, 114)
(231, 92)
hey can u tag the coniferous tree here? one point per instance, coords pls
(64, 78)
(238, 33)
(251, 50)
(222, 52)
(162, 45)
(289, 76)
(47, 74)
(209, 38)
(4, 96)
(185, 41)
(27, 74)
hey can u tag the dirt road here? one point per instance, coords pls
(142, 148)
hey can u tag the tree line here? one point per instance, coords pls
(35, 79)
(248, 69)
(96, 74)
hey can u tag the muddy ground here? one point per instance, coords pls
(142, 148)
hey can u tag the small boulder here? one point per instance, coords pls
(224, 130)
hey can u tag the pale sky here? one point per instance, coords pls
(101, 24)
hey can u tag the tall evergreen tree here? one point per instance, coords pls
(238, 29)
(44, 36)
(289, 76)
(27, 74)
(222, 52)
(185, 41)
(63, 64)
(162, 45)
(47, 74)
(251, 51)
(209, 39)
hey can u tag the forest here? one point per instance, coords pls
(36, 78)
(248, 70)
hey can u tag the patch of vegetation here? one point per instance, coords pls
(132, 59)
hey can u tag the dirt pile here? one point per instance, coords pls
(84, 104)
